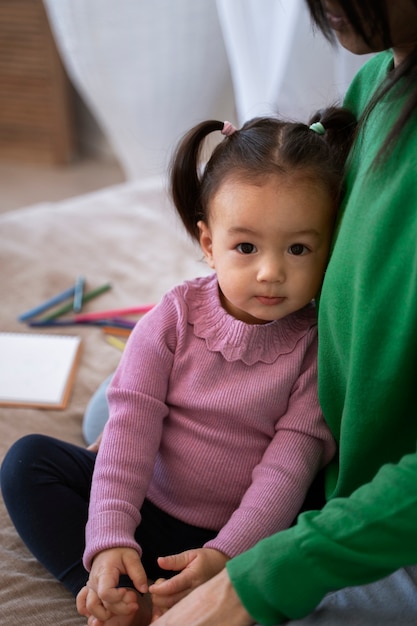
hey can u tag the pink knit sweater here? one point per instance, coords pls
(215, 421)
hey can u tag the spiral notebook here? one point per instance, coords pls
(37, 370)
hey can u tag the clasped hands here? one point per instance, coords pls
(101, 599)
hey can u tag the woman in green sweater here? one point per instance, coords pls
(354, 562)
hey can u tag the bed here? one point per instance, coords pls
(128, 235)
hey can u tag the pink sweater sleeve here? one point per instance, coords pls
(132, 435)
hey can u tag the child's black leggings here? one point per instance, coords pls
(46, 486)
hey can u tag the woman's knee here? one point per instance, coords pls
(96, 414)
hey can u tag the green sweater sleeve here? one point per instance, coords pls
(367, 381)
(286, 576)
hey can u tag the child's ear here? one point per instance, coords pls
(206, 242)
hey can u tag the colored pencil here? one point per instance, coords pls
(114, 330)
(69, 321)
(77, 304)
(96, 315)
(86, 298)
(117, 343)
(48, 304)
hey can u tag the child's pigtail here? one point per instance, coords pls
(186, 176)
(337, 125)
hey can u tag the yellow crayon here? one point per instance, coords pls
(117, 343)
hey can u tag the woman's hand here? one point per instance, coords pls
(215, 603)
(196, 567)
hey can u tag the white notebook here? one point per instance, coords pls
(37, 370)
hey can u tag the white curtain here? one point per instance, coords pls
(279, 65)
(150, 69)
(147, 69)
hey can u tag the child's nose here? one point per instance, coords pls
(272, 271)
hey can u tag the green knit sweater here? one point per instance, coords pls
(367, 386)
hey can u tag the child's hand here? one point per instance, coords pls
(196, 566)
(98, 614)
(101, 598)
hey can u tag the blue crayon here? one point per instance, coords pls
(78, 294)
(68, 293)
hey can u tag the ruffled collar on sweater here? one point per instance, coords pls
(236, 340)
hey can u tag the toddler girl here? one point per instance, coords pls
(215, 433)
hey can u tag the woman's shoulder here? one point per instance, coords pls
(367, 80)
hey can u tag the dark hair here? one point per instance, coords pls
(262, 147)
(373, 14)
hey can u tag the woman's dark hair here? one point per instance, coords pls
(369, 18)
(264, 146)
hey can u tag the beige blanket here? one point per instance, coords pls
(127, 235)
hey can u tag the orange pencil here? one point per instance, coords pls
(114, 330)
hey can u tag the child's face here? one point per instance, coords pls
(269, 244)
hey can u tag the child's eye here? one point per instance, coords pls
(298, 249)
(246, 248)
